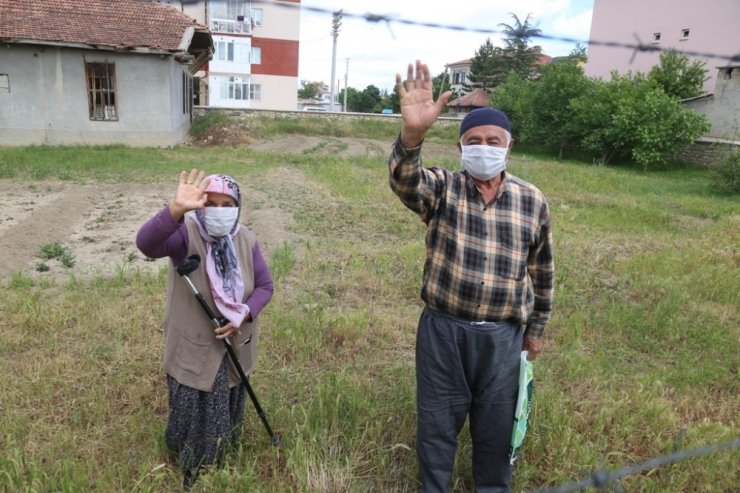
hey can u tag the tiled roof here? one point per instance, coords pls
(477, 98)
(467, 61)
(123, 24)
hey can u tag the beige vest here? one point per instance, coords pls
(192, 353)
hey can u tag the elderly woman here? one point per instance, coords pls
(206, 400)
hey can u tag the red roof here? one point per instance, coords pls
(467, 61)
(122, 24)
(477, 98)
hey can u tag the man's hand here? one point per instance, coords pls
(419, 111)
(533, 346)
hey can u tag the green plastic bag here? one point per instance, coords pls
(523, 405)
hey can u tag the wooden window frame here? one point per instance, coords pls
(101, 91)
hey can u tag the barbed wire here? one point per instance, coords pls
(603, 478)
(638, 47)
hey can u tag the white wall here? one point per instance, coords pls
(278, 92)
(48, 100)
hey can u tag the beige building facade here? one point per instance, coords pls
(701, 26)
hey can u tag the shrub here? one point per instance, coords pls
(205, 123)
(727, 175)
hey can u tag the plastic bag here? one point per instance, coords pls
(523, 406)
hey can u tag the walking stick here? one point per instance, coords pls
(188, 266)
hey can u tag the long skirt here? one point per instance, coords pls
(201, 425)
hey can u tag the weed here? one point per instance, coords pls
(52, 250)
(67, 259)
(42, 267)
(727, 174)
(205, 123)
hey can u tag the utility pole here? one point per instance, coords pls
(346, 73)
(336, 22)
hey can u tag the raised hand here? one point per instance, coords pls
(190, 193)
(419, 111)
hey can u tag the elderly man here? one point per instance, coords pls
(487, 285)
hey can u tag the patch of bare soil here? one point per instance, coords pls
(97, 224)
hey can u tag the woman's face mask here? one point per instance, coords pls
(219, 221)
(483, 162)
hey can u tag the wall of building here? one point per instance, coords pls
(278, 92)
(722, 108)
(713, 26)
(48, 100)
(279, 22)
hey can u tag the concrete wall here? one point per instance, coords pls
(245, 114)
(713, 26)
(48, 102)
(722, 108)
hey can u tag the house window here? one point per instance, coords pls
(255, 92)
(4, 84)
(232, 88)
(230, 51)
(228, 16)
(256, 55)
(685, 34)
(656, 38)
(458, 77)
(256, 17)
(101, 91)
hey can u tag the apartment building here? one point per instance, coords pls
(701, 26)
(255, 64)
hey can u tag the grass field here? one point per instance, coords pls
(641, 355)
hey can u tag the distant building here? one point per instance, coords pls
(256, 60)
(458, 73)
(702, 26)
(477, 98)
(97, 72)
(458, 77)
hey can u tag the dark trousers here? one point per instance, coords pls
(465, 368)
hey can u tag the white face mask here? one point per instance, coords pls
(219, 221)
(483, 162)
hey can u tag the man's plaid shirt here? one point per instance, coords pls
(484, 262)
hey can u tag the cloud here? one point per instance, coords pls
(378, 50)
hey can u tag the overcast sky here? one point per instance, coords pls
(377, 51)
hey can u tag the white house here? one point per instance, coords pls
(97, 72)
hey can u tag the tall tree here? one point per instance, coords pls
(488, 69)
(519, 56)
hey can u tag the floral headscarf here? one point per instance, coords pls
(222, 265)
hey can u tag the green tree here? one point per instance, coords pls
(578, 54)
(514, 97)
(488, 68)
(679, 76)
(551, 121)
(519, 56)
(309, 90)
(630, 116)
(365, 101)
